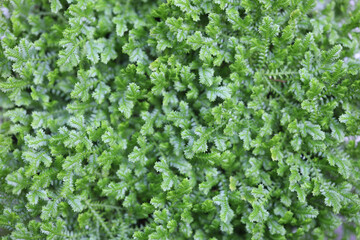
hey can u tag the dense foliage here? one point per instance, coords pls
(185, 119)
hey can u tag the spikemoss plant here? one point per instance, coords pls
(185, 119)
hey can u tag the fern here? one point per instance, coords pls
(179, 119)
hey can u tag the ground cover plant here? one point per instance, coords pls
(179, 119)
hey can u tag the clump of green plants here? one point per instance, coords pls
(179, 119)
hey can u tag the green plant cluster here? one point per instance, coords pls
(179, 119)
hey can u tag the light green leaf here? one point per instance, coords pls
(276, 153)
(332, 197)
(245, 135)
(119, 189)
(41, 139)
(42, 156)
(226, 213)
(167, 176)
(259, 213)
(100, 92)
(108, 52)
(221, 92)
(296, 142)
(70, 56)
(314, 130)
(33, 196)
(126, 106)
(342, 162)
(72, 162)
(276, 228)
(186, 7)
(77, 122)
(17, 181)
(49, 210)
(121, 27)
(200, 145)
(305, 212)
(220, 143)
(81, 90)
(138, 155)
(93, 49)
(55, 6)
(206, 76)
(337, 132)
